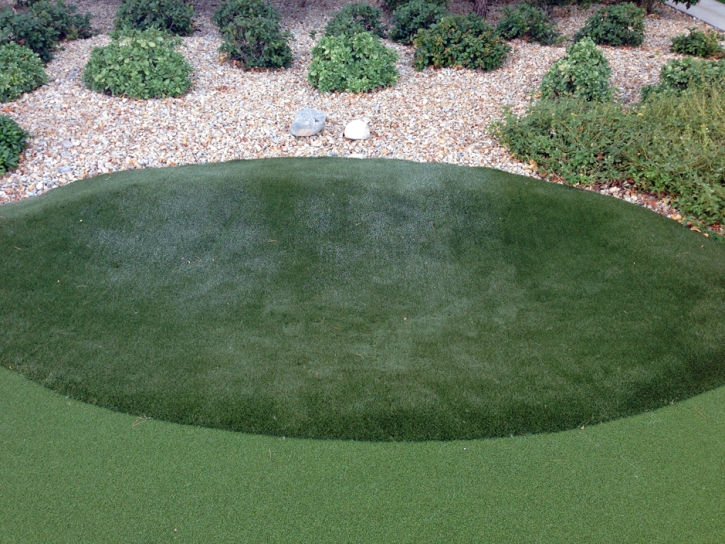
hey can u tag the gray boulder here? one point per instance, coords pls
(308, 122)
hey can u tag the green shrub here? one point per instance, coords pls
(21, 71)
(583, 73)
(392, 5)
(69, 24)
(529, 22)
(411, 17)
(43, 25)
(698, 44)
(12, 142)
(355, 18)
(458, 40)
(671, 145)
(174, 16)
(252, 35)
(139, 64)
(679, 75)
(357, 63)
(620, 24)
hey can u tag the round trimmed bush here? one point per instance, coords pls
(252, 34)
(460, 40)
(680, 75)
(413, 16)
(21, 71)
(356, 18)
(583, 73)
(528, 22)
(698, 44)
(355, 64)
(174, 16)
(140, 64)
(12, 142)
(620, 24)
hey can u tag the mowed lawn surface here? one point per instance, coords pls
(373, 300)
(71, 472)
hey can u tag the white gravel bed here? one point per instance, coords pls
(433, 115)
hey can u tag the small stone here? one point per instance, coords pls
(64, 169)
(357, 130)
(308, 122)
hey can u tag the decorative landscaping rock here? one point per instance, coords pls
(357, 130)
(308, 122)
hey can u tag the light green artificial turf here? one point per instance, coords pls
(358, 299)
(71, 472)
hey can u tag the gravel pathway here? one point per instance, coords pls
(433, 115)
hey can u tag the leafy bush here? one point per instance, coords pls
(67, 22)
(252, 35)
(698, 44)
(670, 145)
(529, 22)
(12, 142)
(392, 5)
(620, 24)
(458, 40)
(43, 25)
(411, 17)
(21, 71)
(354, 64)
(139, 64)
(355, 18)
(583, 73)
(174, 16)
(679, 75)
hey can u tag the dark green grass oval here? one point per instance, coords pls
(371, 300)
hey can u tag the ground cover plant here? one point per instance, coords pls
(358, 299)
(583, 73)
(357, 63)
(698, 44)
(529, 22)
(460, 40)
(12, 142)
(355, 18)
(43, 25)
(174, 16)
(21, 71)
(619, 24)
(670, 144)
(413, 16)
(140, 64)
(252, 34)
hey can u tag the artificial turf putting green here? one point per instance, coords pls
(358, 299)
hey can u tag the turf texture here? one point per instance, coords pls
(71, 472)
(372, 300)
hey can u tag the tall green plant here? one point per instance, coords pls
(21, 71)
(583, 73)
(619, 24)
(13, 140)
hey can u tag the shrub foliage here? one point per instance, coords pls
(355, 18)
(413, 16)
(528, 22)
(356, 63)
(583, 73)
(174, 16)
(252, 34)
(12, 142)
(21, 71)
(392, 5)
(458, 40)
(670, 145)
(619, 24)
(679, 75)
(140, 64)
(698, 44)
(43, 25)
